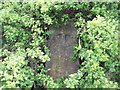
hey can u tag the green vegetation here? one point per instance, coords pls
(25, 31)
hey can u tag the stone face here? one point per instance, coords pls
(61, 44)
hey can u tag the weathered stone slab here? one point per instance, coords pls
(61, 44)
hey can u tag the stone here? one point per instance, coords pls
(1, 36)
(61, 45)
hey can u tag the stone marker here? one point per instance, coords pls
(61, 44)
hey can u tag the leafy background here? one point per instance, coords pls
(25, 31)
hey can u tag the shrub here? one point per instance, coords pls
(25, 31)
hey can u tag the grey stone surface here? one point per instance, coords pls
(0, 36)
(61, 44)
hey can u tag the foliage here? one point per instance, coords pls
(23, 44)
(25, 30)
(14, 70)
(98, 37)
